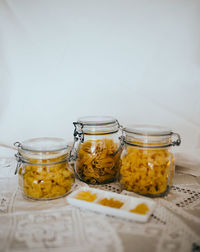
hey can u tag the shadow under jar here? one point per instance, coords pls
(97, 149)
(44, 172)
(147, 162)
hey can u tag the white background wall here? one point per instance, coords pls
(137, 60)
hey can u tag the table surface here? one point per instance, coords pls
(27, 225)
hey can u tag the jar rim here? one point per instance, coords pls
(97, 120)
(148, 130)
(43, 144)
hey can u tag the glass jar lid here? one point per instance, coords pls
(42, 148)
(44, 144)
(97, 125)
(148, 130)
(150, 136)
(97, 120)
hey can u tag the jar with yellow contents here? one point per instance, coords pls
(43, 168)
(97, 149)
(147, 162)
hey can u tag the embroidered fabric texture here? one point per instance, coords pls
(45, 226)
(167, 223)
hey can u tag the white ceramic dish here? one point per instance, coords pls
(129, 202)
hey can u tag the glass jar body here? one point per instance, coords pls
(43, 168)
(45, 178)
(98, 158)
(147, 171)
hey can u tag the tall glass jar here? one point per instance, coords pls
(44, 171)
(97, 149)
(147, 164)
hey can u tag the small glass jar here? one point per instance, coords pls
(44, 171)
(97, 149)
(147, 163)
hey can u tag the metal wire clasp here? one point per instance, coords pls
(17, 144)
(18, 157)
(78, 132)
(78, 136)
(121, 139)
(19, 162)
(177, 142)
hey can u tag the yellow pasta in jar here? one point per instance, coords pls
(46, 178)
(98, 161)
(146, 171)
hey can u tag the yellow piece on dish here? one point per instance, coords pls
(140, 209)
(86, 195)
(111, 203)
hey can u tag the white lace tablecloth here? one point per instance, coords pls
(54, 225)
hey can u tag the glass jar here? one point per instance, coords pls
(97, 149)
(44, 171)
(147, 163)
